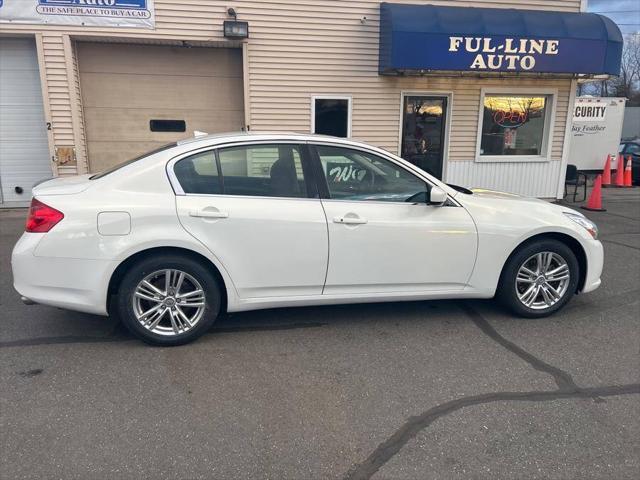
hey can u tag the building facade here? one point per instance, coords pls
(80, 95)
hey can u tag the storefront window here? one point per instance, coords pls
(513, 125)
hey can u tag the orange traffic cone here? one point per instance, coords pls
(606, 173)
(620, 172)
(595, 199)
(628, 173)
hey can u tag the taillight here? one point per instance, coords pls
(42, 217)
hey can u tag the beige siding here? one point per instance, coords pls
(81, 145)
(57, 84)
(297, 49)
(535, 179)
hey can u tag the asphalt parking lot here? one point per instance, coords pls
(425, 390)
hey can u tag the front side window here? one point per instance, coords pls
(263, 170)
(357, 175)
(513, 125)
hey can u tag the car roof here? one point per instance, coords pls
(175, 151)
(230, 137)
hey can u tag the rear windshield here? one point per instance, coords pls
(129, 162)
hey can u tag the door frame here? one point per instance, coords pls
(447, 122)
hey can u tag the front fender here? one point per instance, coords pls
(504, 225)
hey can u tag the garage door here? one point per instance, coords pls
(126, 87)
(24, 151)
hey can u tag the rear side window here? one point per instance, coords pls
(255, 170)
(199, 174)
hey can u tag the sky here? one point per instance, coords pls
(626, 13)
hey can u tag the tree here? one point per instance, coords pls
(627, 84)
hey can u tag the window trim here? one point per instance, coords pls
(305, 159)
(549, 122)
(314, 163)
(349, 99)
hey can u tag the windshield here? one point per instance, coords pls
(129, 162)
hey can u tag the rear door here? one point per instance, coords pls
(383, 236)
(254, 207)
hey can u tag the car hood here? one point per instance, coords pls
(493, 194)
(503, 201)
(62, 185)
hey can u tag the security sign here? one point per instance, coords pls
(589, 111)
(113, 13)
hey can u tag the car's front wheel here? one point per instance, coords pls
(168, 299)
(539, 278)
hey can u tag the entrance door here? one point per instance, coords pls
(423, 132)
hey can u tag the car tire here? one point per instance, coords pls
(532, 293)
(177, 316)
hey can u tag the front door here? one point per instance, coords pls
(383, 236)
(423, 132)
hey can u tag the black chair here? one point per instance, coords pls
(576, 179)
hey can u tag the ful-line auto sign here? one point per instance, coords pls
(431, 38)
(509, 54)
(114, 13)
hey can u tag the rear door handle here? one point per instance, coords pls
(350, 220)
(208, 214)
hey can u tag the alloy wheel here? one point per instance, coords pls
(542, 280)
(169, 302)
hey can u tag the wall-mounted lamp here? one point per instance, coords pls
(234, 28)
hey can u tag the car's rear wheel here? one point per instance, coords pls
(539, 278)
(168, 300)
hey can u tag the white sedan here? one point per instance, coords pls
(238, 222)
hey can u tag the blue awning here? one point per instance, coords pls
(431, 38)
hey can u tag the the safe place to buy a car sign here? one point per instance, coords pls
(113, 13)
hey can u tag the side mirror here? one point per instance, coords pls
(437, 196)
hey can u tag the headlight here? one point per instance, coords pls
(584, 222)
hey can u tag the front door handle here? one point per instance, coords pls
(350, 220)
(208, 213)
